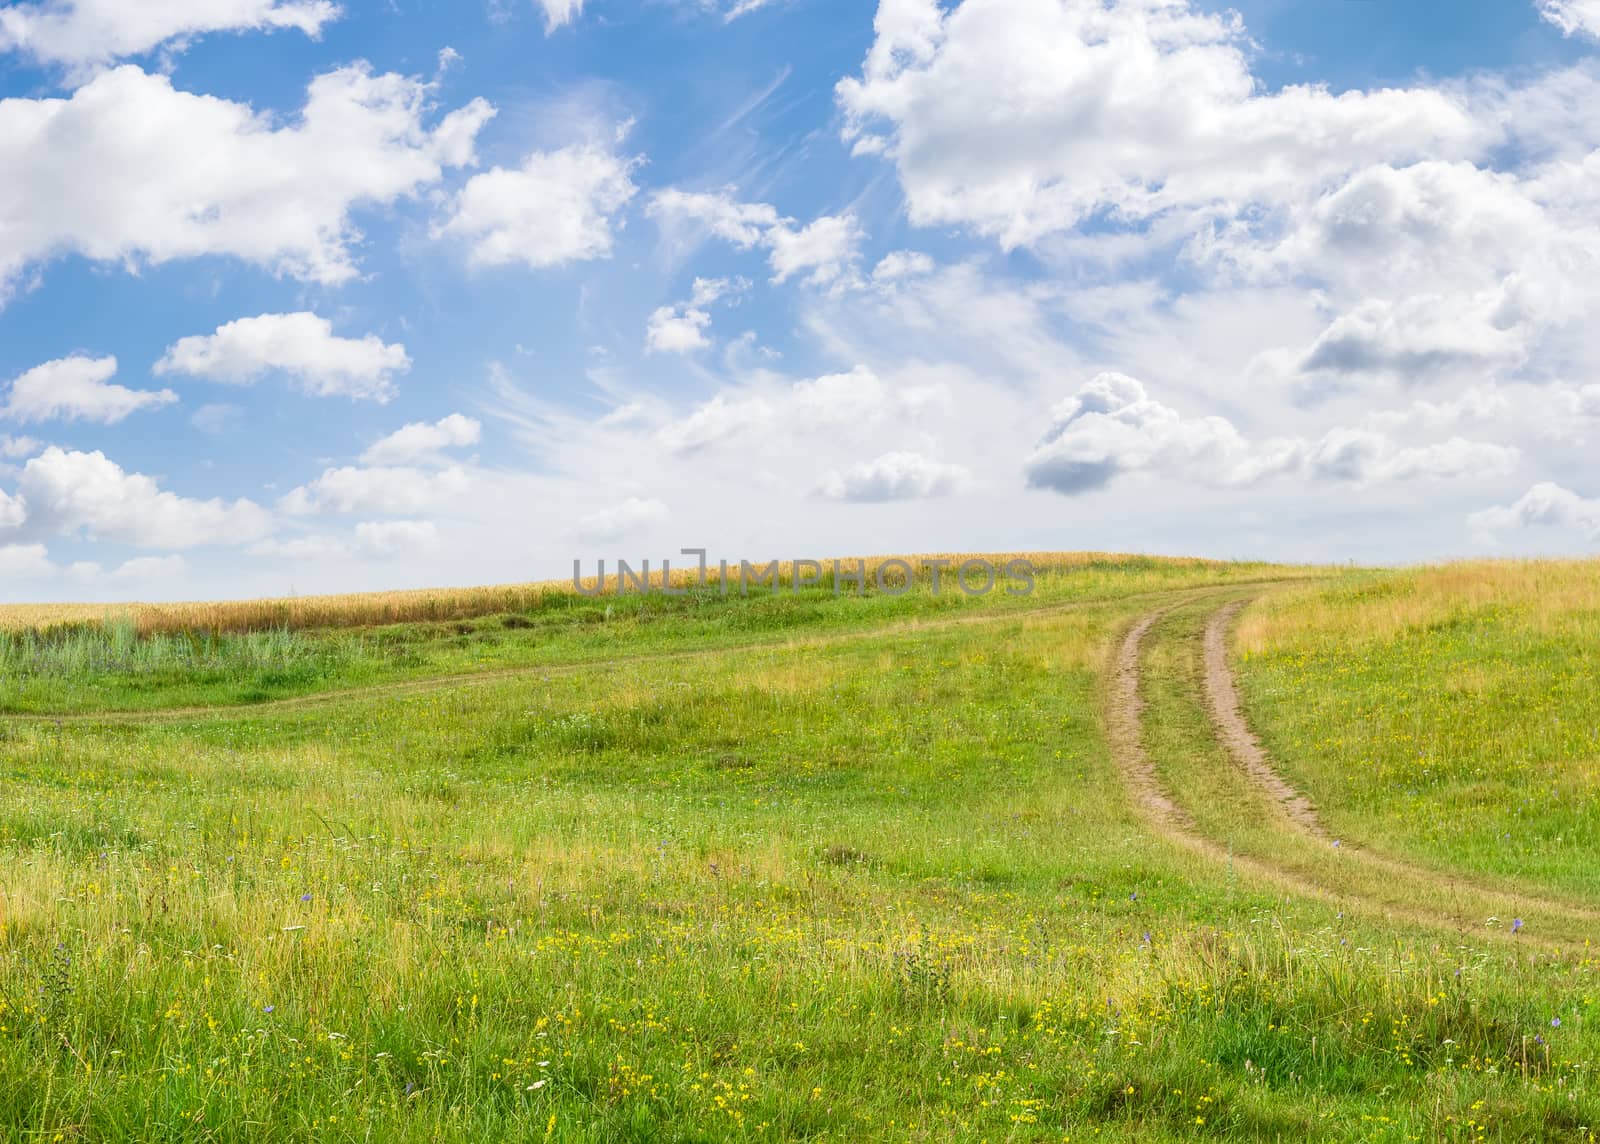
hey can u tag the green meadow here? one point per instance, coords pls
(816, 866)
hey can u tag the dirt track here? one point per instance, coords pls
(1358, 878)
(1227, 715)
(430, 684)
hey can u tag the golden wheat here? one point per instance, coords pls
(446, 605)
(1546, 591)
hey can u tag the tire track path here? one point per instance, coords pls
(1226, 709)
(1374, 884)
(408, 687)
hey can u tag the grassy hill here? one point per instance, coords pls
(813, 866)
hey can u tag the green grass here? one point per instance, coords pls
(105, 667)
(1467, 736)
(861, 874)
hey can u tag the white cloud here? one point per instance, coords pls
(389, 490)
(715, 421)
(1424, 220)
(557, 208)
(1544, 504)
(31, 562)
(676, 329)
(67, 493)
(130, 170)
(25, 561)
(1022, 118)
(300, 346)
(79, 389)
(559, 13)
(1112, 426)
(1431, 272)
(832, 402)
(1586, 401)
(1478, 404)
(681, 328)
(16, 448)
(422, 442)
(386, 539)
(140, 570)
(369, 540)
(13, 511)
(1367, 457)
(895, 477)
(632, 515)
(83, 32)
(1573, 17)
(1415, 338)
(828, 246)
(680, 213)
(900, 264)
(737, 8)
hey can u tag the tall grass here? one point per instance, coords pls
(118, 647)
(373, 609)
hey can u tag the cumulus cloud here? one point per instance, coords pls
(1415, 338)
(1573, 17)
(86, 32)
(1425, 219)
(130, 170)
(832, 402)
(895, 477)
(16, 448)
(387, 490)
(302, 347)
(79, 389)
(32, 562)
(13, 511)
(421, 442)
(1132, 109)
(69, 493)
(632, 515)
(1367, 457)
(1377, 222)
(1433, 271)
(823, 250)
(681, 328)
(1545, 504)
(558, 207)
(682, 213)
(677, 329)
(24, 561)
(1112, 426)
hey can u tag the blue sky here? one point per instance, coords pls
(440, 293)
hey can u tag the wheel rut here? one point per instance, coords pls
(1358, 878)
(411, 687)
(1233, 730)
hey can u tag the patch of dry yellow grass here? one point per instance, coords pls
(1380, 607)
(370, 609)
